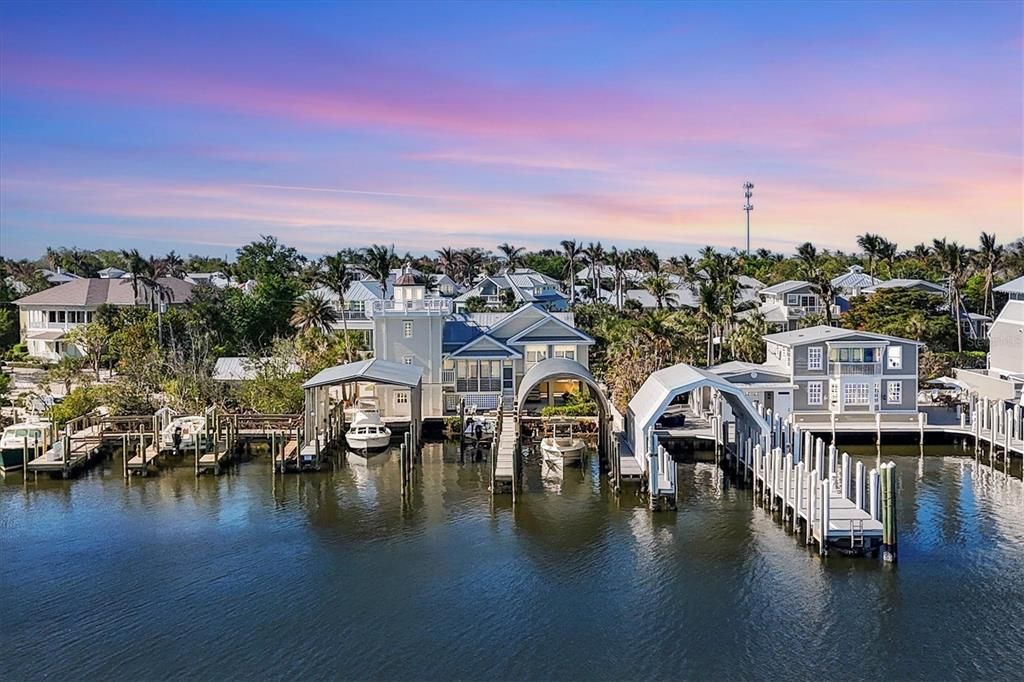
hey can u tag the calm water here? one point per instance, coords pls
(247, 576)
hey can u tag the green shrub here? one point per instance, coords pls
(452, 424)
(79, 401)
(586, 408)
(18, 352)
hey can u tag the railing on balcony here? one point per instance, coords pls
(447, 376)
(438, 305)
(478, 384)
(802, 310)
(353, 314)
(854, 368)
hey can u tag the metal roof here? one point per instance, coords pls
(907, 284)
(664, 385)
(854, 278)
(823, 332)
(374, 369)
(1014, 286)
(241, 368)
(1012, 313)
(554, 368)
(785, 287)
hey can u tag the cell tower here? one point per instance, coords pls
(748, 191)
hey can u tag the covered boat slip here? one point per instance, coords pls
(323, 418)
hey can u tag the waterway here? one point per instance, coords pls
(252, 576)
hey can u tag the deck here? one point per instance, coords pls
(84, 444)
(504, 468)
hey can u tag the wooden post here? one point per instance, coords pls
(195, 448)
(124, 453)
(813, 491)
(874, 495)
(826, 492)
(859, 482)
(273, 451)
(889, 512)
(845, 478)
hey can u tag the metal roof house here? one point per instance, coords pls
(519, 286)
(1014, 289)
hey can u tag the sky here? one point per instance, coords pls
(199, 127)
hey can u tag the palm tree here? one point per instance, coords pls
(174, 266)
(660, 288)
(447, 260)
(871, 244)
(807, 254)
(136, 267)
(618, 261)
(513, 255)
(990, 256)
(377, 262)
(336, 277)
(954, 259)
(709, 310)
(887, 251)
(471, 261)
(572, 253)
(313, 312)
(593, 255)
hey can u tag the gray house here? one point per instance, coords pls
(520, 286)
(847, 371)
(785, 304)
(477, 356)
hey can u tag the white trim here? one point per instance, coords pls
(513, 353)
(581, 339)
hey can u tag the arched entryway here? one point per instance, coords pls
(554, 369)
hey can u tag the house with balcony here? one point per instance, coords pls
(516, 287)
(785, 304)
(477, 356)
(826, 370)
(47, 316)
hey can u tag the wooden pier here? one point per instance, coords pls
(69, 453)
(505, 453)
(833, 500)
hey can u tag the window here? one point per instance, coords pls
(792, 299)
(407, 329)
(402, 398)
(814, 393)
(894, 357)
(567, 352)
(894, 392)
(814, 358)
(61, 316)
(52, 315)
(536, 354)
(856, 394)
(407, 359)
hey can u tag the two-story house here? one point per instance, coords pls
(47, 316)
(827, 370)
(845, 370)
(518, 286)
(785, 304)
(476, 356)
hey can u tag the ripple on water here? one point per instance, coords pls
(250, 576)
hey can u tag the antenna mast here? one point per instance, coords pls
(748, 191)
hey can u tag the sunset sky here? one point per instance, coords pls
(199, 127)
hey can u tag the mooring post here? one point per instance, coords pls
(826, 492)
(813, 488)
(195, 449)
(819, 457)
(888, 475)
(874, 495)
(845, 478)
(859, 482)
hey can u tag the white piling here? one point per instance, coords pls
(859, 482)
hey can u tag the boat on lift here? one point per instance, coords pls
(367, 430)
(16, 437)
(188, 429)
(560, 448)
(479, 429)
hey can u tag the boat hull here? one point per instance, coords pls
(368, 443)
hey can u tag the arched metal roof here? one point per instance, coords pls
(559, 368)
(664, 385)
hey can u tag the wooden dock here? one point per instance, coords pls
(69, 453)
(504, 450)
(814, 488)
(139, 463)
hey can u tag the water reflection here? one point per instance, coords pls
(567, 579)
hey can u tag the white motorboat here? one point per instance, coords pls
(367, 431)
(560, 448)
(182, 433)
(479, 429)
(16, 437)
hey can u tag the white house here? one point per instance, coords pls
(47, 316)
(476, 356)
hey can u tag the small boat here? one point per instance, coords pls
(367, 431)
(15, 437)
(479, 429)
(188, 429)
(560, 448)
